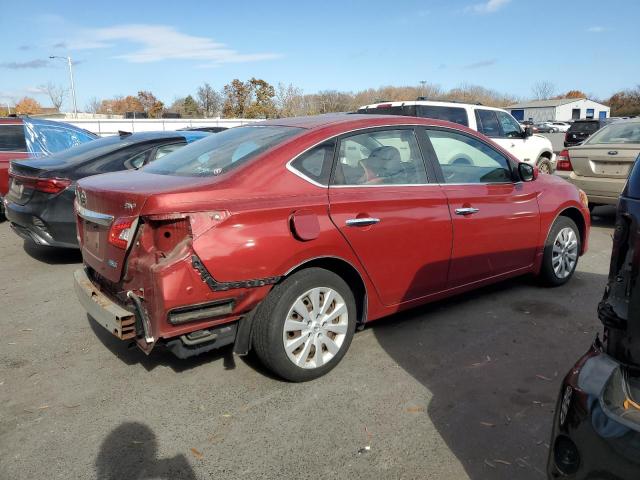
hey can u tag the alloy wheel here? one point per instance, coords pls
(565, 252)
(315, 328)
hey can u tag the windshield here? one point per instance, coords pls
(221, 152)
(622, 132)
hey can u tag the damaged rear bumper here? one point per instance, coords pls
(116, 319)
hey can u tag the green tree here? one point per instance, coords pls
(190, 107)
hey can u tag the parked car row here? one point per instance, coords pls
(33, 138)
(39, 203)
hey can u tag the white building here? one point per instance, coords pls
(561, 109)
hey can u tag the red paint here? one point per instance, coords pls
(6, 157)
(240, 225)
(305, 225)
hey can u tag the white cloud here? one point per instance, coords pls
(596, 29)
(489, 6)
(161, 42)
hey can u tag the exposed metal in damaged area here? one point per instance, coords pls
(223, 286)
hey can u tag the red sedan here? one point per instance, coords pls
(287, 235)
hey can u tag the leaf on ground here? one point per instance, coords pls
(197, 454)
(542, 377)
(503, 462)
(487, 462)
(415, 409)
(487, 424)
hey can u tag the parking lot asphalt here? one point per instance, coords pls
(463, 388)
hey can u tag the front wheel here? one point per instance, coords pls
(561, 252)
(305, 325)
(544, 165)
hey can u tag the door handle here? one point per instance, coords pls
(362, 222)
(466, 211)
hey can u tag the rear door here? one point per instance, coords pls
(397, 223)
(495, 219)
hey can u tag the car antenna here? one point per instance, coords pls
(122, 133)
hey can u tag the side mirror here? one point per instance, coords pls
(528, 173)
(528, 131)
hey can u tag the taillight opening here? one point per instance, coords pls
(564, 161)
(44, 185)
(122, 231)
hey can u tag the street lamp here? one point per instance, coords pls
(73, 90)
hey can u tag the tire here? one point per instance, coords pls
(552, 130)
(563, 233)
(592, 206)
(544, 165)
(284, 304)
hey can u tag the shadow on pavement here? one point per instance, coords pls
(493, 360)
(130, 354)
(130, 452)
(52, 255)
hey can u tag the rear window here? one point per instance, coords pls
(450, 114)
(584, 127)
(12, 138)
(622, 132)
(405, 110)
(222, 152)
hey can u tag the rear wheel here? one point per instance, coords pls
(305, 325)
(561, 252)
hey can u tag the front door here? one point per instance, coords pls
(495, 219)
(397, 223)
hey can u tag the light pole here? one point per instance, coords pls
(73, 89)
(423, 83)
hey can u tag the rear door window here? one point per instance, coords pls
(12, 138)
(584, 127)
(488, 123)
(380, 157)
(451, 114)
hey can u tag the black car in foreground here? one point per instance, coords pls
(596, 429)
(39, 204)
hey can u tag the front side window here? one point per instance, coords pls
(316, 163)
(464, 159)
(488, 123)
(12, 138)
(166, 149)
(450, 114)
(510, 127)
(383, 157)
(222, 152)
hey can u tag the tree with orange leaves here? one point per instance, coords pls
(28, 106)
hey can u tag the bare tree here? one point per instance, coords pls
(93, 105)
(56, 93)
(209, 100)
(289, 101)
(543, 90)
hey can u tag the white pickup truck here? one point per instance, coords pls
(495, 123)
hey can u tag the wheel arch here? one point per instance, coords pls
(347, 272)
(574, 214)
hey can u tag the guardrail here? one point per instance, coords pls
(111, 126)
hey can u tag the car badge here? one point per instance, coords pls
(129, 206)
(82, 198)
(112, 263)
(613, 152)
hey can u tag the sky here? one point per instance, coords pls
(170, 48)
